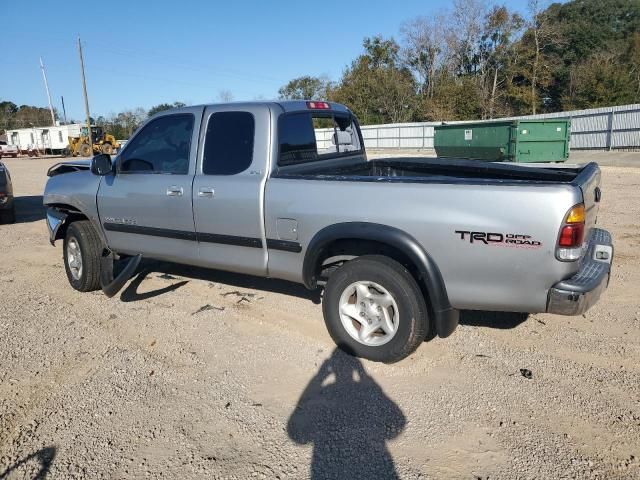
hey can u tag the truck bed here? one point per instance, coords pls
(430, 170)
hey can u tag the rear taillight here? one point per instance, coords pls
(571, 235)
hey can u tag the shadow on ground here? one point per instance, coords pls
(348, 418)
(45, 459)
(149, 267)
(499, 320)
(130, 293)
(473, 318)
(29, 208)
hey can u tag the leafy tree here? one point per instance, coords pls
(23, 116)
(464, 30)
(541, 36)
(425, 50)
(305, 88)
(596, 52)
(600, 81)
(381, 53)
(7, 112)
(497, 54)
(164, 106)
(454, 99)
(633, 57)
(376, 87)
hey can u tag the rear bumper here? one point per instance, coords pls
(577, 294)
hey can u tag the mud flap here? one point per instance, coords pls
(111, 286)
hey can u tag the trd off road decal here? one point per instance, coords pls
(499, 239)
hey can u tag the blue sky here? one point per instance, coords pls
(141, 53)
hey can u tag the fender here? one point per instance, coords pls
(445, 316)
(60, 216)
(72, 190)
(55, 219)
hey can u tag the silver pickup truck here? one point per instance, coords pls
(7, 150)
(285, 190)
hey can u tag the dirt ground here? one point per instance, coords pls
(200, 374)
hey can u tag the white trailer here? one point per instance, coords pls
(23, 138)
(51, 140)
(56, 139)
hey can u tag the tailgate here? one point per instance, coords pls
(589, 182)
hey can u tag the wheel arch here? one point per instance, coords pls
(397, 242)
(61, 215)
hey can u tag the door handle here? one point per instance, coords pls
(174, 191)
(206, 192)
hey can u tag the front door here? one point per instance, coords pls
(228, 188)
(146, 206)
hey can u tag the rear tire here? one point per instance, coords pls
(372, 291)
(82, 252)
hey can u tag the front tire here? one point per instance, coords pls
(82, 252)
(86, 150)
(374, 309)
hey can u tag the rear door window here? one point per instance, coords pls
(228, 147)
(309, 136)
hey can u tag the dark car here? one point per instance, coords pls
(7, 207)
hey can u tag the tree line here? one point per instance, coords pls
(482, 61)
(121, 125)
(23, 116)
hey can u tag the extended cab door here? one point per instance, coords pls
(228, 189)
(146, 206)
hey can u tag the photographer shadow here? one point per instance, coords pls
(44, 458)
(348, 418)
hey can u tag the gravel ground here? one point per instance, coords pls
(194, 374)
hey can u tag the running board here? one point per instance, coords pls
(111, 286)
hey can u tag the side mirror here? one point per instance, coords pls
(101, 164)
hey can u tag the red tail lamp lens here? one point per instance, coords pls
(572, 235)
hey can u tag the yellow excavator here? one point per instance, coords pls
(101, 142)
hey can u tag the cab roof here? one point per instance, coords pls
(285, 105)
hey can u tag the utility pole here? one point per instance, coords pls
(64, 110)
(46, 86)
(84, 91)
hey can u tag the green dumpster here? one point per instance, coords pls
(505, 141)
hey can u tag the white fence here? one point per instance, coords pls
(605, 128)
